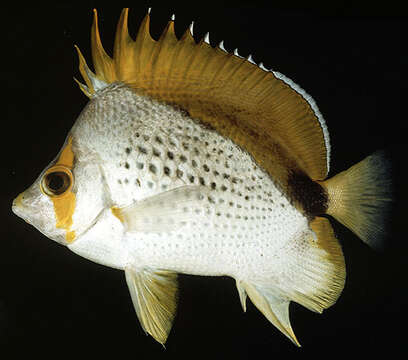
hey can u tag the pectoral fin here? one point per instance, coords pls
(164, 212)
(154, 296)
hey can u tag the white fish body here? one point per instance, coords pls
(242, 221)
(155, 189)
(236, 221)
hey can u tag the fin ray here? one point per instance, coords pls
(242, 294)
(313, 276)
(154, 296)
(263, 113)
(321, 272)
(103, 64)
(164, 212)
(361, 198)
(274, 307)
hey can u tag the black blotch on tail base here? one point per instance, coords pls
(310, 194)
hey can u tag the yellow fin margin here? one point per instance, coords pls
(319, 277)
(326, 263)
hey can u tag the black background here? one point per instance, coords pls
(53, 302)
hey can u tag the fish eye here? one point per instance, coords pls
(56, 181)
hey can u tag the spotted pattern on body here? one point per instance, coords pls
(147, 147)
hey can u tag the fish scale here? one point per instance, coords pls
(238, 191)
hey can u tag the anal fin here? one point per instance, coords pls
(154, 296)
(329, 263)
(318, 270)
(242, 294)
(274, 307)
(313, 276)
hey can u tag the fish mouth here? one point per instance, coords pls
(18, 208)
(17, 202)
(25, 212)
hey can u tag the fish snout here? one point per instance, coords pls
(17, 202)
(18, 205)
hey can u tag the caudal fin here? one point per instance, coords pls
(360, 198)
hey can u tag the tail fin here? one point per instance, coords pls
(360, 198)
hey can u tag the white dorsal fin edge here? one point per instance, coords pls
(250, 59)
(315, 109)
(300, 91)
(295, 87)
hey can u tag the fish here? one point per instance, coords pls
(189, 159)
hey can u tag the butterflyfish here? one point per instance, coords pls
(191, 159)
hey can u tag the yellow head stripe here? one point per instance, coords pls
(64, 205)
(67, 155)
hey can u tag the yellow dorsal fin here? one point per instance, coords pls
(103, 64)
(262, 111)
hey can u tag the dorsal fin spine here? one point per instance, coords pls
(144, 44)
(191, 28)
(221, 46)
(83, 88)
(262, 66)
(103, 64)
(207, 38)
(162, 65)
(85, 72)
(264, 102)
(123, 48)
(250, 59)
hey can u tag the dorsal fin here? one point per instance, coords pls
(262, 111)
